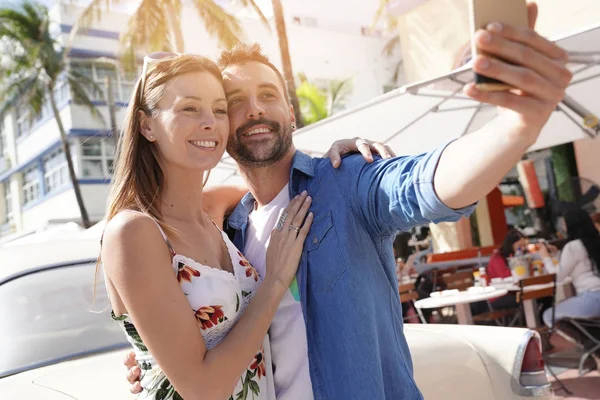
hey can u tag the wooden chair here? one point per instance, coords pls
(408, 295)
(528, 294)
(458, 280)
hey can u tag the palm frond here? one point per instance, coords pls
(391, 45)
(313, 102)
(219, 23)
(147, 29)
(30, 91)
(338, 92)
(80, 96)
(381, 12)
(252, 5)
(86, 82)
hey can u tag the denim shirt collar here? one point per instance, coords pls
(302, 163)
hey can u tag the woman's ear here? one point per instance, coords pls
(144, 126)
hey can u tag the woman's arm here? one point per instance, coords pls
(571, 254)
(138, 265)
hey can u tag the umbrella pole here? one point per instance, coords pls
(590, 120)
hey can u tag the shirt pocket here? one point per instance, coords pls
(326, 264)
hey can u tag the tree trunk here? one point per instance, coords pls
(286, 61)
(110, 102)
(176, 29)
(85, 219)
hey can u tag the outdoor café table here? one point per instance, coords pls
(564, 290)
(461, 301)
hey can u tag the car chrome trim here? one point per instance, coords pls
(517, 387)
(47, 268)
(45, 363)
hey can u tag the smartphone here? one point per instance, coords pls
(483, 12)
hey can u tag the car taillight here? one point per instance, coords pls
(532, 360)
(533, 372)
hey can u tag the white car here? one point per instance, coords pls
(57, 343)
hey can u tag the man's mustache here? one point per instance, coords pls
(273, 125)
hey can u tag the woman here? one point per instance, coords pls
(580, 260)
(498, 268)
(199, 327)
(514, 241)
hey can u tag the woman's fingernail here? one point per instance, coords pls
(495, 27)
(304, 192)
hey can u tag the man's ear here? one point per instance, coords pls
(144, 126)
(292, 115)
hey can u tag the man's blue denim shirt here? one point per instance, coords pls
(346, 278)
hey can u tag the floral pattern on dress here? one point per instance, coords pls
(210, 316)
(186, 273)
(250, 381)
(250, 270)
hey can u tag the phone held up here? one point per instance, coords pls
(483, 12)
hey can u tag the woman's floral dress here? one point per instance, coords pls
(217, 299)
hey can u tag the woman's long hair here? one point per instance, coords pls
(580, 226)
(506, 249)
(138, 178)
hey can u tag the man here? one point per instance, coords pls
(338, 333)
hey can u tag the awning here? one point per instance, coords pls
(420, 117)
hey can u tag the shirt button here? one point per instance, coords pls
(315, 240)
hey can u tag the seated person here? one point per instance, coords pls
(498, 268)
(580, 260)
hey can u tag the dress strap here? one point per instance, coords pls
(160, 229)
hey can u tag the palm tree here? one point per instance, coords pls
(317, 103)
(156, 24)
(394, 41)
(34, 70)
(286, 61)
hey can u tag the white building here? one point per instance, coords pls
(328, 40)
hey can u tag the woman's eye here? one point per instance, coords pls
(221, 111)
(268, 95)
(190, 108)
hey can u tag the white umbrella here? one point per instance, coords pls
(419, 117)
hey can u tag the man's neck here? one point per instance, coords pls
(265, 183)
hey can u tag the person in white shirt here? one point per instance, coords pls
(579, 260)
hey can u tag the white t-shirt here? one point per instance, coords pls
(289, 350)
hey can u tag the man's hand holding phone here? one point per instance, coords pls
(533, 66)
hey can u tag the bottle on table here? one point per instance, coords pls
(483, 281)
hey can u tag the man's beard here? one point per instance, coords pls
(259, 154)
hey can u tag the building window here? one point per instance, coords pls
(56, 172)
(97, 157)
(9, 216)
(98, 71)
(23, 120)
(31, 184)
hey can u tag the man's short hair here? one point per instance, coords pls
(243, 53)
